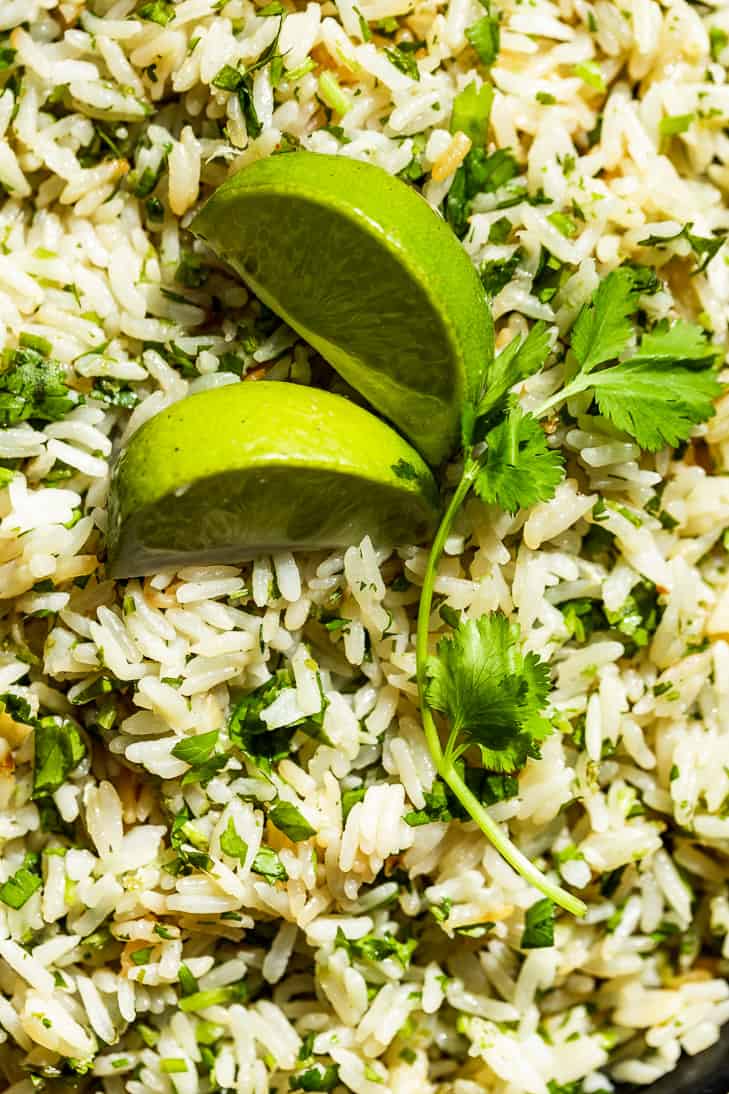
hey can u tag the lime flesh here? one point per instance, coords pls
(363, 269)
(262, 466)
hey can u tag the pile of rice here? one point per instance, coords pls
(149, 959)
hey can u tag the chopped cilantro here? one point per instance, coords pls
(471, 112)
(32, 388)
(364, 27)
(673, 124)
(20, 886)
(157, 11)
(269, 865)
(442, 805)
(479, 173)
(485, 37)
(718, 40)
(538, 926)
(7, 57)
(188, 983)
(564, 224)
(191, 270)
(187, 842)
(196, 750)
(377, 947)
(228, 78)
(155, 210)
(231, 843)
(500, 230)
(403, 60)
(590, 74)
(319, 1077)
(214, 997)
(114, 393)
(249, 732)
(705, 248)
(143, 182)
(495, 273)
(142, 955)
(350, 799)
(291, 821)
(59, 749)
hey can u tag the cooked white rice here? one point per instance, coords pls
(111, 132)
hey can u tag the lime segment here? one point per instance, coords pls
(261, 466)
(360, 265)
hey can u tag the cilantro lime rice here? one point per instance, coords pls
(228, 862)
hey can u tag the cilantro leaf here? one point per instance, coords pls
(441, 803)
(191, 270)
(32, 388)
(188, 983)
(201, 774)
(705, 248)
(188, 843)
(521, 358)
(376, 947)
(673, 124)
(683, 342)
(539, 926)
(231, 843)
(656, 404)
(518, 469)
(196, 750)
(291, 821)
(478, 174)
(660, 393)
(603, 328)
(485, 37)
(20, 886)
(269, 865)
(495, 273)
(59, 749)
(404, 61)
(319, 1077)
(114, 393)
(157, 11)
(350, 799)
(247, 730)
(228, 78)
(491, 693)
(718, 39)
(472, 111)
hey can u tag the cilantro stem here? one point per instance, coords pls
(425, 607)
(445, 763)
(506, 848)
(574, 387)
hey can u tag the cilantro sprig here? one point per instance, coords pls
(658, 393)
(478, 691)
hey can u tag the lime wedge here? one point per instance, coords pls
(360, 265)
(262, 466)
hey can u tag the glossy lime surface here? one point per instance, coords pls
(360, 265)
(257, 466)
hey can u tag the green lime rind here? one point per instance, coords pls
(361, 267)
(262, 466)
